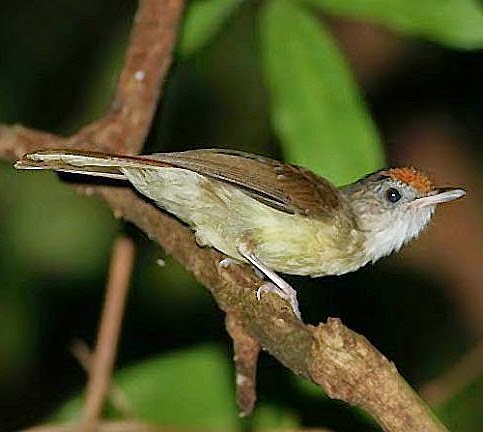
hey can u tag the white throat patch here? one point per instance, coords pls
(396, 232)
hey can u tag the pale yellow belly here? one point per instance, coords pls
(222, 215)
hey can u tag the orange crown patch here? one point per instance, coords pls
(412, 177)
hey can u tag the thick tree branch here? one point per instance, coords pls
(343, 363)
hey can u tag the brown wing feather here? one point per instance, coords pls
(283, 186)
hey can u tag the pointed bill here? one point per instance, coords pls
(442, 195)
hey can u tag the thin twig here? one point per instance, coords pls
(106, 347)
(118, 399)
(143, 427)
(466, 370)
(119, 426)
(246, 351)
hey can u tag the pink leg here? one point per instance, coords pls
(277, 286)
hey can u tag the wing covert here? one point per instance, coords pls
(283, 186)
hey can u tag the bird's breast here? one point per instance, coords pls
(295, 244)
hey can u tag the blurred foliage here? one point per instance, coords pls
(266, 77)
(203, 387)
(314, 95)
(197, 382)
(202, 22)
(457, 23)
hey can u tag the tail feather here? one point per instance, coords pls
(79, 162)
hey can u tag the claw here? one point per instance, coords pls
(227, 262)
(269, 287)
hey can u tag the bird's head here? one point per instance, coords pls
(392, 206)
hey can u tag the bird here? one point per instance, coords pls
(278, 217)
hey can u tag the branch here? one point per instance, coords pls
(100, 372)
(246, 351)
(148, 57)
(126, 426)
(121, 426)
(466, 370)
(343, 363)
(117, 398)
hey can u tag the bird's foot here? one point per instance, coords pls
(289, 295)
(277, 284)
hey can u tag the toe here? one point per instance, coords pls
(225, 263)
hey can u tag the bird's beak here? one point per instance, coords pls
(441, 195)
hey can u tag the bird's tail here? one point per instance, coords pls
(84, 162)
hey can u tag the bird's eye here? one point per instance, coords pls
(393, 195)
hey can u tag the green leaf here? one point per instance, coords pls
(203, 19)
(316, 108)
(187, 389)
(457, 23)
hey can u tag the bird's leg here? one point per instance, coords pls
(277, 286)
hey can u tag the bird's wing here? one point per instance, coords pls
(283, 186)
